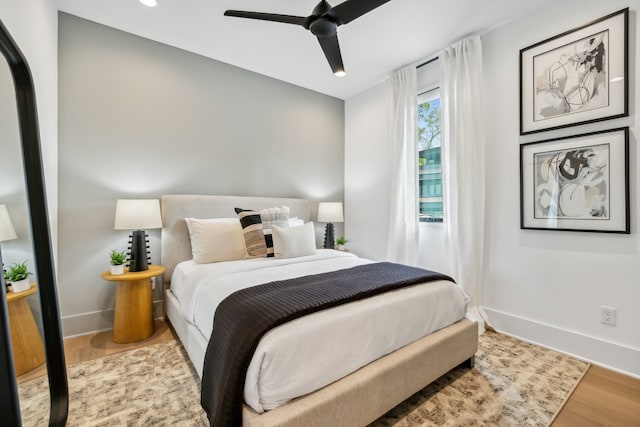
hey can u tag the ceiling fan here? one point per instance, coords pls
(323, 23)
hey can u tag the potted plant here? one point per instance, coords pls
(18, 277)
(341, 241)
(117, 262)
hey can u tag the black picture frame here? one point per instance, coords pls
(576, 183)
(577, 77)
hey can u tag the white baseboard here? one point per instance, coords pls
(617, 357)
(98, 321)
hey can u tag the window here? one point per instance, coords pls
(430, 170)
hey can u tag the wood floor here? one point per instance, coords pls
(603, 397)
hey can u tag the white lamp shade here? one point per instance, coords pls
(330, 212)
(137, 214)
(7, 232)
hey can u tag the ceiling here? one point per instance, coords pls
(397, 33)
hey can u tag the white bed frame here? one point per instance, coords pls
(355, 400)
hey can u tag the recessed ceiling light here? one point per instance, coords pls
(340, 73)
(150, 3)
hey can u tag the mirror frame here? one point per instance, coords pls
(38, 213)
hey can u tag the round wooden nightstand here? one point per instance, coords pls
(133, 320)
(28, 349)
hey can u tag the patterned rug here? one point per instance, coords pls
(151, 386)
(512, 384)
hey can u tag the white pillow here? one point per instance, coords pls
(291, 242)
(215, 239)
(295, 221)
(274, 216)
(188, 221)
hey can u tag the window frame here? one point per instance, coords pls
(428, 94)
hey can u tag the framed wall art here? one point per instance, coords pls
(576, 183)
(576, 77)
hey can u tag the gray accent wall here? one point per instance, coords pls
(138, 119)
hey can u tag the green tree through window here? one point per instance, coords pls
(429, 124)
(430, 169)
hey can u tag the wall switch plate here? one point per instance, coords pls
(607, 315)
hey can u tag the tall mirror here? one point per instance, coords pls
(30, 333)
(22, 297)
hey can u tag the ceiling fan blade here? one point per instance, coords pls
(287, 19)
(331, 50)
(349, 10)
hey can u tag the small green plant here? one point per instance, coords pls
(341, 241)
(118, 258)
(17, 272)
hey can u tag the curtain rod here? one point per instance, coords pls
(480, 33)
(427, 62)
(429, 90)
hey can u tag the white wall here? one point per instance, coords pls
(139, 119)
(367, 173)
(547, 286)
(543, 286)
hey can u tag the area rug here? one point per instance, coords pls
(150, 386)
(512, 384)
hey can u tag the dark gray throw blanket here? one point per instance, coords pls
(245, 316)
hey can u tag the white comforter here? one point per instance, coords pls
(306, 354)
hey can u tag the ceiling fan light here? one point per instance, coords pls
(340, 73)
(149, 3)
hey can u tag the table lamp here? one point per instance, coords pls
(138, 215)
(7, 232)
(330, 212)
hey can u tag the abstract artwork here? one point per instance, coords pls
(572, 78)
(576, 77)
(572, 183)
(577, 183)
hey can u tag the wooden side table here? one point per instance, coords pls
(28, 349)
(133, 320)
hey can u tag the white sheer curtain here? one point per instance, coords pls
(463, 166)
(402, 245)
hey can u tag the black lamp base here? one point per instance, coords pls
(329, 239)
(138, 259)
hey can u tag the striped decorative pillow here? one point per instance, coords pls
(256, 228)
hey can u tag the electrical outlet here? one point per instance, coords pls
(607, 315)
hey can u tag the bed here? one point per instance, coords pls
(354, 390)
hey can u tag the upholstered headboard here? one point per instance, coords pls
(176, 244)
